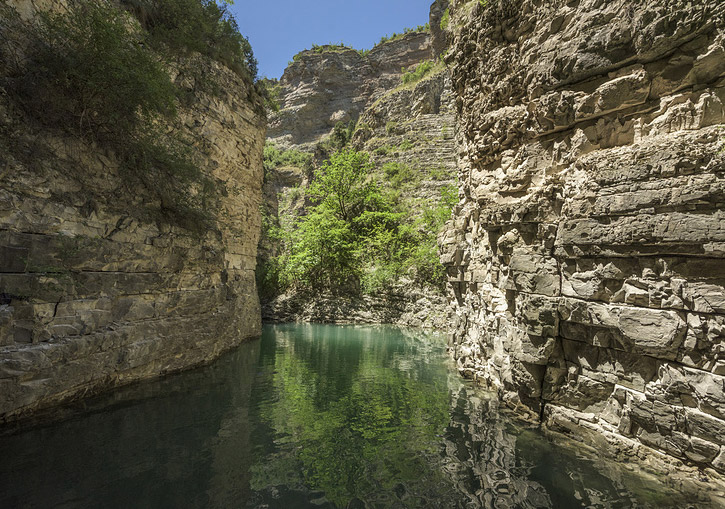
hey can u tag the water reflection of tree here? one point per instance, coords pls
(373, 429)
(372, 413)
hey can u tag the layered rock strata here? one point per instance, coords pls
(94, 290)
(586, 253)
(321, 88)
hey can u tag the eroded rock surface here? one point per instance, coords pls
(321, 88)
(586, 252)
(96, 290)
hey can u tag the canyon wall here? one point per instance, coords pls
(97, 286)
(586, 254)
(324, 86)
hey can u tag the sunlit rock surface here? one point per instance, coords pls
(586, 252)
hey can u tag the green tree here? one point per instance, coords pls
(354, 236)
(342, 186)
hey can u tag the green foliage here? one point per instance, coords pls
(405, 145)
(270, 90)
(359, 435)
(341, 184)
(340, 46)
(440, 173)
(390, 127)
(327, 48)
(322, 252)
(276, 158)
(342, 134)
(446, 19)
(383, 150)
(418, 73)
(87, 72)
(396, 36)
(355, 236)
(398, 174)
(203, 26)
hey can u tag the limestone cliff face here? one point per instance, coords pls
(320, 89)
(586, 252)
(94, 291)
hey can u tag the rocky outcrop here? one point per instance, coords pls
(586, 253)
(326, 86)
(96, 290)
(438, 26)
(405, 304)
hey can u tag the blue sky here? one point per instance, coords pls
(278, 29)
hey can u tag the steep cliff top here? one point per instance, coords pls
(330, 84)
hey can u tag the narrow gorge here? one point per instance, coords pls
(540, 185)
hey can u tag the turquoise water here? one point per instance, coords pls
(312, 416)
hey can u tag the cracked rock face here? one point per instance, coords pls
(94, 291)
(320, 89)
(586, 254)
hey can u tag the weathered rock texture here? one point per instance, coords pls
(94, 292)
(586, 254)
(320, 89)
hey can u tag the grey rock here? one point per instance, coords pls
(95, 291)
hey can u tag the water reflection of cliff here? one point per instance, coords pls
(313, 416)
(372, 417)
(497, 462)
(176, 442)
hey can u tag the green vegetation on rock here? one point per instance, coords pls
(407, 30)
(92, 73)
(418, 72)
(202, 26)
(358, 236)
(446, 19)
(277, 158)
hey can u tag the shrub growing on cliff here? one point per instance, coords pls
(446, 19)
(407, 30)
(418, 73)
(276, 158)
(203, 26)
(88, 73)
(270, 90)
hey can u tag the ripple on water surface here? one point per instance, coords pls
(314, 416)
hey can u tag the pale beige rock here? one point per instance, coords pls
(591, 183)
(96, 290)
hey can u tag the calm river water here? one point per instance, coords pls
(313, 416)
